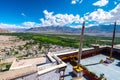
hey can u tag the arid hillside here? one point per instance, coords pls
(10, 41)
(4, 31)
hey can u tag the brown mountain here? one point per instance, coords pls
(4, 31)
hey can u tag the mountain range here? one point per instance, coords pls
(4, 31)
(92, 29)
(102, 30)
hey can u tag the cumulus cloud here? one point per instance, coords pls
(5, 26)
(23, 14)
(116, 13)
(99, 15)
(59, 19)
(23, 25)
(73, 2)
(77, 26)
(102, 16)
(94, 18)
(29, 24)
(80, 1)
(76, 1)
(115, 2)
(101, 3)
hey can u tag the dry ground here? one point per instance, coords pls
(10, 41)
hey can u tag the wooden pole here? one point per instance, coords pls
(113, 39)
(80, 45)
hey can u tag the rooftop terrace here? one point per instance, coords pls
(11, 74)
(111, 71)
(17, 64)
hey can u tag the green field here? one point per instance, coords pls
(64, 40)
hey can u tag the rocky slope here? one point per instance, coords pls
(4, 31)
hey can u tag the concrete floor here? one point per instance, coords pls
(68, 73)
(111, 71)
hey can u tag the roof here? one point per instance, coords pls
(11, 74)
(27, 62)
(110, 71)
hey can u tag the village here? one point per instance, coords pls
(11, 48)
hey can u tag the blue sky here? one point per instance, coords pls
(36, 13)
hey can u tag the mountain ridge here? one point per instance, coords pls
(4, 31)
(92, 29)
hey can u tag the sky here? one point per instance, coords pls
(41, 13)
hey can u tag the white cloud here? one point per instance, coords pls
(29, 24)
(115, 2)
(59, 19)
(23, 25)
(76, 26)
(76, 1)
(101, 3)
(96, 17)
(89, 25)
(116, 14)
(5, 26)
(81, 1)
(99, 15)
(23, 14)
(37, 25)
(102, 16)
(73, 2)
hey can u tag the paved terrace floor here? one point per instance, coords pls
(68, 73)
(111, 71)
(27, 62)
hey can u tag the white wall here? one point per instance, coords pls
(52, 75)
(28, 77)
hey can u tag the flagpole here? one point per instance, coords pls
(80, 45)
(113, 39)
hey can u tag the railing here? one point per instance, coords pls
(90, 75)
